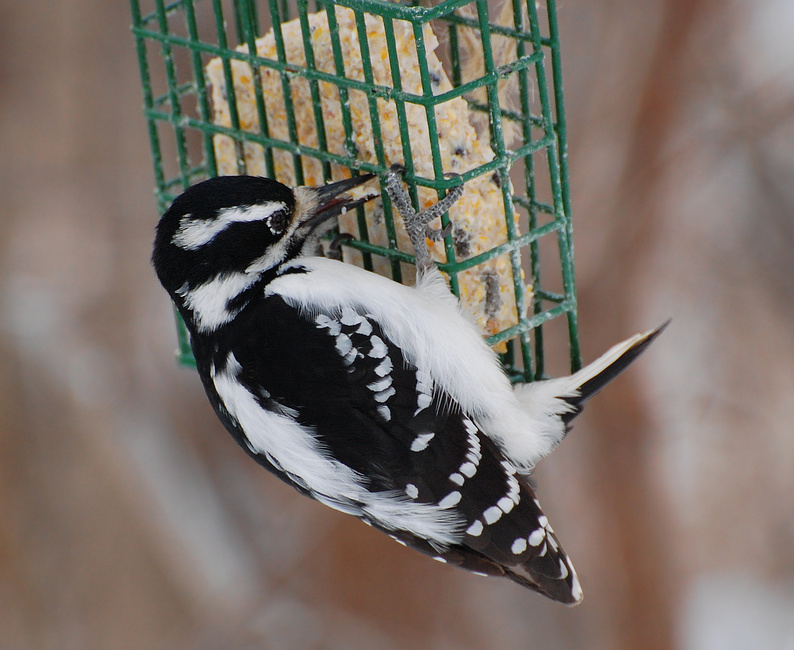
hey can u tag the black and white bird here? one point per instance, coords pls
(377, 399)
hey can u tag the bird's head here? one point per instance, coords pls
(221, 236)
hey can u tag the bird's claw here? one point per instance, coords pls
(437, 234)
(416, 223)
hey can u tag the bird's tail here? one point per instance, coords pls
(551, 405)
(593, 377)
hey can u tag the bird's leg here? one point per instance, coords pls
(417, 223)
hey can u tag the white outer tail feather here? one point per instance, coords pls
(610, 356)
(546, 402)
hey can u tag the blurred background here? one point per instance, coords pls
(129, 519)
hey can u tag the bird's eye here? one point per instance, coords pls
(277, 222)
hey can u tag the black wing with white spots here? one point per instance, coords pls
(403, 436)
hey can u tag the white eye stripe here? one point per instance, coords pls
(192, 234)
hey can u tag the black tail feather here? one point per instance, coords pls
(593, 385)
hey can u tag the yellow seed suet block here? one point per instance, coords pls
(487, 291)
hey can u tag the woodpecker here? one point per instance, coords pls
(377, 399)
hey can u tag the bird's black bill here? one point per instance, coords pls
(325, 193)
(331, 202)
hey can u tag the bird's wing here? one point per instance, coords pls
(414, 454)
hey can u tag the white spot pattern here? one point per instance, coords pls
(333, 327)
(384, 367)
(350, 357)
(473, 456)
(468, 469)
(343, 344)
(379, 349)
(385, 395)
(350, 317)
(411, 490)
(423, 400)
(536, 537)
(519, 546)
(424, 390)
(380, 385)
(421, 441)
(382, 388)
(452, 499)
(508, 467)
(513, 489)
(492, 515)
(475, 530)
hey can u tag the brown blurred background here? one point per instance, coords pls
(129, 519)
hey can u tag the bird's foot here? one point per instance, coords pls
(416, 223)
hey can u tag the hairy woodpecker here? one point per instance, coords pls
(377, 399)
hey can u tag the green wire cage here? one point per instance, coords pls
(312, 92)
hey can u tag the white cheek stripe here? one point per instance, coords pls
(192, 234)
(209, 301)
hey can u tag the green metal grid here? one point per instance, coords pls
(176, 40)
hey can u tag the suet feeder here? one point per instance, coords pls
(308, 92)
